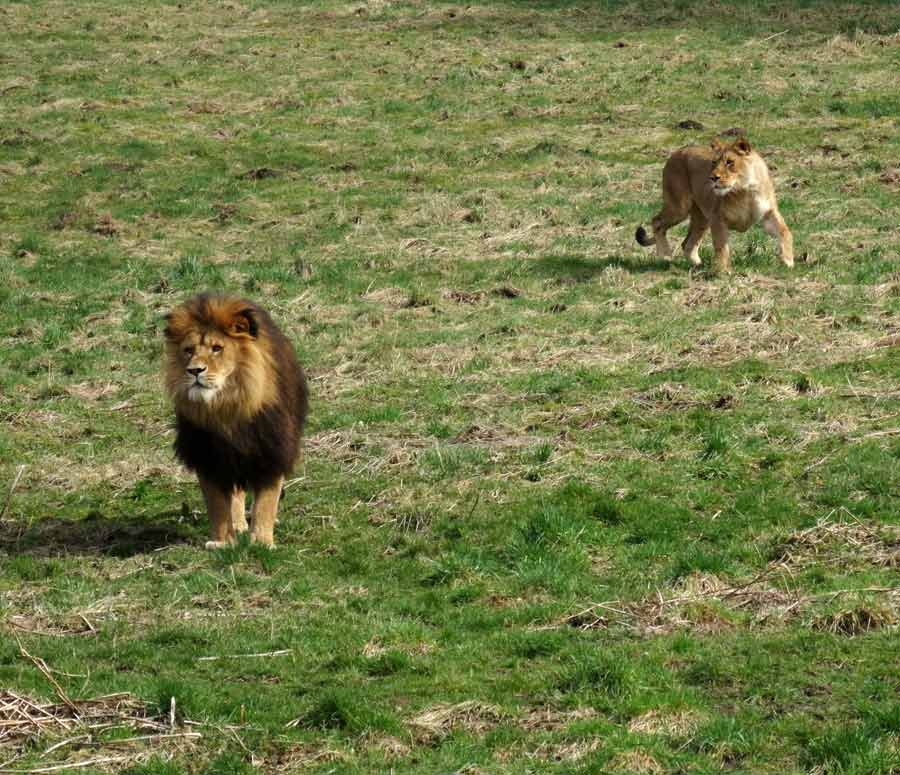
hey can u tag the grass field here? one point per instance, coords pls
(564, 508)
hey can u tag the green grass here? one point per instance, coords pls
(564, 508)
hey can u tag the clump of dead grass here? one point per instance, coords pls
(24, 718)
(550, 719)
(856, 620)
(844, 541)
(679, 724)
(635, 763)
(306, 756)
(566, 752)
(442, 719)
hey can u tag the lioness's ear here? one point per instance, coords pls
(742, 146)
(244, 324)
(717, 145)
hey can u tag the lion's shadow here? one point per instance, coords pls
(95, 535)
(581, 269)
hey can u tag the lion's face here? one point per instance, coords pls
(208, 360)
(730, 166)
(217, 364)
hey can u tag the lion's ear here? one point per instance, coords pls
(174, 322)
(717, 145)
(742, 146)
(244, 324)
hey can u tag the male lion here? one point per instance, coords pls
(721, 187)
(240, 405)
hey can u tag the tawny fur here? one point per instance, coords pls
(240, 401)
(720, 188)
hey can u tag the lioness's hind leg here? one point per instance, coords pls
(698, 228)
(265, 513)
(668, 217)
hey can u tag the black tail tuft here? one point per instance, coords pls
(643, 238)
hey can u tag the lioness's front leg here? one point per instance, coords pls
(219, 511)
(775, 226)
(265, 513)
(722, 261)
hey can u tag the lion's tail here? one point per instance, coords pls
(643, 238)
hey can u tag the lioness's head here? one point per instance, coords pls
(730, 168)
(216, 361)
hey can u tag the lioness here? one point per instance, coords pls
(721, 187)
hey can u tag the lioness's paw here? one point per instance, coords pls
(216, 544)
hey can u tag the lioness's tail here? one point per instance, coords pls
(643, 238)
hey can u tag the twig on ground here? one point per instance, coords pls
(71, 765)
(19, 471)
(48, 674)
(280, 653)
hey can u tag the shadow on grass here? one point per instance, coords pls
(738, 18)
(584, 269)
(94, 535)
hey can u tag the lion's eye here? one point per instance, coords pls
(217, 348)
(188, 350)
(730, 164)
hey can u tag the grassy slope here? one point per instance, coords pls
(518, 413)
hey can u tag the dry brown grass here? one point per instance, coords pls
(680, 724)
(441, 719)
(636, 762)
(840, 538)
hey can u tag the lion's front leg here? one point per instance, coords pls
(239, 511)
(265, 513)
(219, 511)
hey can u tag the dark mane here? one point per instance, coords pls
(253, 452)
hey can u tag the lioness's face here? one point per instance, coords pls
(729, 167)
(208, 359)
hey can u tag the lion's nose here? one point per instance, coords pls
(196, 370)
